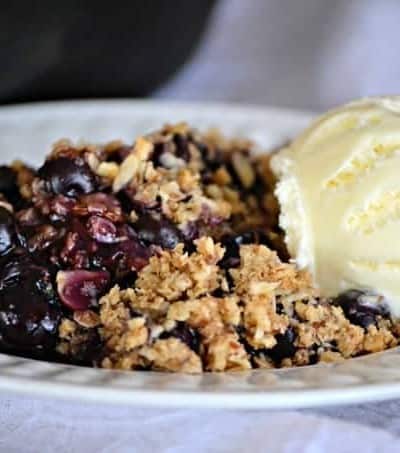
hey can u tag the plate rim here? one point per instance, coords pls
(203, 399)
(201, 106)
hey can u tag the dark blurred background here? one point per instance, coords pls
(308, 54)
(77, 49)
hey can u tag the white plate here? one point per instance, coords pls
(26, 132)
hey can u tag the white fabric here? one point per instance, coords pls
(305, 54)
(33, 425)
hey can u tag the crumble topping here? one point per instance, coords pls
(269, 315)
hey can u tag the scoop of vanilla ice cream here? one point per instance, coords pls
(339, 192)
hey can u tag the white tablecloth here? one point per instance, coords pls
(277, 52)
(39, 425)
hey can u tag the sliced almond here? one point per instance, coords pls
(143, 148)
(92, 161)
(108, 170)
(127, 171)
(132, 164)
(243, 169)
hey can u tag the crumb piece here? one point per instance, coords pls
(86, 318)
(226, 353)
(331, 357)
(172, 355)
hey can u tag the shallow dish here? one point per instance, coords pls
(27, 131)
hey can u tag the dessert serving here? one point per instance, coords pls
(174, 253)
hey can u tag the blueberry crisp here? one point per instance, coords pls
(165, 255)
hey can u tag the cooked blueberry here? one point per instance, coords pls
(8, 180)
(8, 185)
(7, 231)
(158, 232)
(313, 354)
(284, 347)
(78, 246)
(67, 177)
(360, 308)
(81, 289)
(158, 151)
(231, 256)
(126, 202)
(90, 349)
(212, 157)
(128, 280)
(241, 331)
(280, 309)
(182, 147)
(219, 292)
(186, 334)
(43, 237)
(29, 312)
(122, 257)
(102, 230)
(190, 232)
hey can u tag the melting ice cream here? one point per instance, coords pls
(339, 191)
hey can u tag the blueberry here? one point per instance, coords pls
(126, 254)
(64, 176)
(359, 309)
(158, 232)
(102, 230)
(90, 350)
(8, 185)
(42, 237)
(186, 334)
(182, 147)
(7, 231)
(252, 352)
(159, 150)
(29, 311)
(122, 257)
(127, 280)
(213, 158)
(8, 180)
(284, 347)
(80, 289)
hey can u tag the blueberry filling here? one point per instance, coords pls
(64, 176)
(9, 188)
(359, 310)
(186, 334)
(160, 232)
(8, 237)
(284, 347)
(29, 307)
